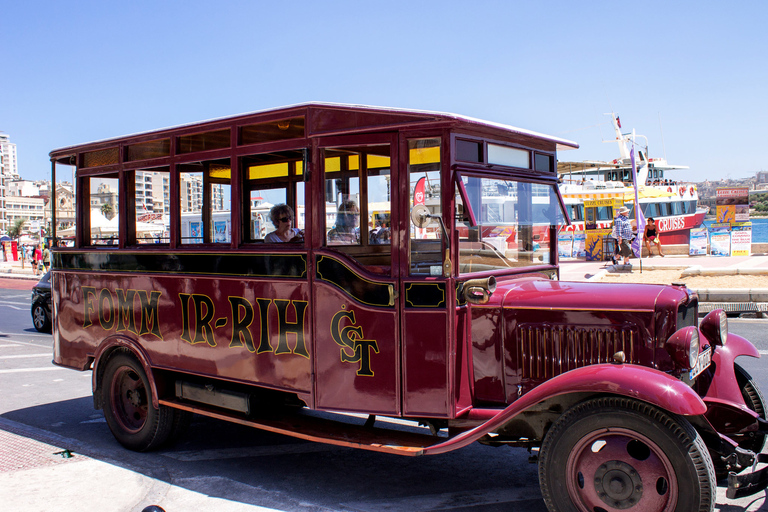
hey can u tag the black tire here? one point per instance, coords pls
(128, 409)
(754, 400)
(40, 318)
(616, 453)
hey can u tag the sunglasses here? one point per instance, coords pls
(285, 219)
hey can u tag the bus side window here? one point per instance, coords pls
(271, 179)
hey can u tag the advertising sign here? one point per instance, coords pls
(564, 245)
(741, 239)
(720, 240)
(733, 204)
(698, 243)
(579, 245)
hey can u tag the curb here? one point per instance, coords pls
(750, 297)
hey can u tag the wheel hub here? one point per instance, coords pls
(618, 484)
(134, 397)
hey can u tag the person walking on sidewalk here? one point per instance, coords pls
(37, 260)
(623, 234)
(46, 258)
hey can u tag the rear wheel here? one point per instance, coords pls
(128, 409)
(612, 454)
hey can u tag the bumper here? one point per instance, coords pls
(747, 484)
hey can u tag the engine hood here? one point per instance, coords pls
(540, 293)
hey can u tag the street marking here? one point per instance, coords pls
(762, 352)
(19, 356)
(22, 370)
(14, 307)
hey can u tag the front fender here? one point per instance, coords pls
(724, 386)
(638, 382)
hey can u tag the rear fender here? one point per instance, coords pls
(102, 354)
(638, 382)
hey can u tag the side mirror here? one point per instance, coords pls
(420, 216)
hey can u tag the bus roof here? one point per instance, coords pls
(360, 118)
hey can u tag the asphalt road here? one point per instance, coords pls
(251, 467)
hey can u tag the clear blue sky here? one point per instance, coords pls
(80, 71)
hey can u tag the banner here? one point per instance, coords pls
(637, 243)
(565, 245)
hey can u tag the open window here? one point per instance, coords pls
(358, 204)
(103, 227)
(205, 197)
(272, 179)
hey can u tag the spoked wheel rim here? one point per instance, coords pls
(617, 469)
(38, 317)
(130, 399)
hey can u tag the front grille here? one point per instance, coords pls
(547, 351)
(687, 315)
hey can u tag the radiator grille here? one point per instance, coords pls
(547, 351)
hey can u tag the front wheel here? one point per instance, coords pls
(615, 454)
(128, 409)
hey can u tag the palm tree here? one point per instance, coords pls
(106, 209)
(17, 228)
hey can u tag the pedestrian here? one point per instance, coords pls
(37, 259)
(46, 258)
(622, 232)
(651, 236)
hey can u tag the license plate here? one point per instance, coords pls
(701, 364)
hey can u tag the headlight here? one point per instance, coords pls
(683, 346)
(714, 327)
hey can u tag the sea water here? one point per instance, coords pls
(759, 229)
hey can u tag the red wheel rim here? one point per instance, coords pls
(617, 469)
(129, 399)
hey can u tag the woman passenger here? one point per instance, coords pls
(281, 216)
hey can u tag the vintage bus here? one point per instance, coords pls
(455, 321)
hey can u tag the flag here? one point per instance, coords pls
(637, 243)
(618, 121)
(418, 192)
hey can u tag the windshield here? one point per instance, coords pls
(512, 221)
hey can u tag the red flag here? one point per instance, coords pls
(618, 121)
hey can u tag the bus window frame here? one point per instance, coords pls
(288, 183)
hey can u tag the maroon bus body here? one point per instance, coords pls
(229, 330)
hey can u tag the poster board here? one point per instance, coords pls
(741, 239)
(698, 243)
(565, 245)
(720, 239)
(732, 204)
(579, 245)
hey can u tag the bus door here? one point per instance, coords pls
(355, 287)
(426, 294)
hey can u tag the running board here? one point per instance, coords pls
(321, 430)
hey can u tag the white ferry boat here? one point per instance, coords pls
(672, 203)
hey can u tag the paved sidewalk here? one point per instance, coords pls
(48, 478)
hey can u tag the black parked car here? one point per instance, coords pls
(41, 304)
